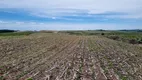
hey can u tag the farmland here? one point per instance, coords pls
(61, 56)
(128, 36)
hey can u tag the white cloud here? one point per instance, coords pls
(20, 23)
(67, 7)
(3, 22)
(53, 17)
(62, 26)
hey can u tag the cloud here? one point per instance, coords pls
(53, 8)
(70, 14)
(16, 25)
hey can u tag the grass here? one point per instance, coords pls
(133, 37)
(29, 79)
(129, 37)
(16, 33)
(124, 78)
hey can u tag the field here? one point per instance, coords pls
(61, 56)
(129, 36)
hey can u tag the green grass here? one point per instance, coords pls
(130, 37)
(16, 33)
(124, 78)
(29, 79)
(133, 37)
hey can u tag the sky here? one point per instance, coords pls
(70, 14)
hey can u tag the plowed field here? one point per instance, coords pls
(45, 56)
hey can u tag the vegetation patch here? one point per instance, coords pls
(26, 33)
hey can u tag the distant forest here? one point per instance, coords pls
(7, 31)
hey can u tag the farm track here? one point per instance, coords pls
(67, 57)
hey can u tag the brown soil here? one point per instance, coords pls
(45, 56)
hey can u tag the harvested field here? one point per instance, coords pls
(55, 56)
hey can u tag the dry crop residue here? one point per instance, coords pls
(44, 56)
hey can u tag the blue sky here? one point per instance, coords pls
(70, 15)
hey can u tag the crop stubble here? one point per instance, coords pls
(46, 56)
